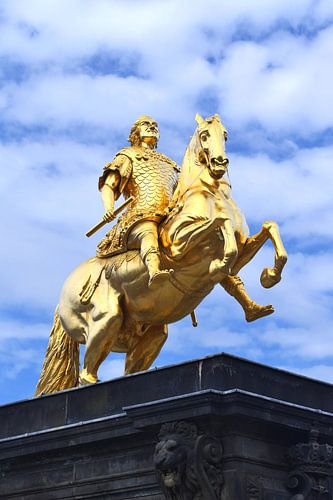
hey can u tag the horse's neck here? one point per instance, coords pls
(190, 172)
(205, 180)
(194, 175)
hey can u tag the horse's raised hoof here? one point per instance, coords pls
(269, 278)
(159, 278)
(257, 311)
(86, 378)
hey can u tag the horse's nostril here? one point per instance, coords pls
(220, 161)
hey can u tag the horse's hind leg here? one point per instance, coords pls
(73, 321)
(144, 352)
(104, 327)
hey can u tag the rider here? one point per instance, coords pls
(150, 177)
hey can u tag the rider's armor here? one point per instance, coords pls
(150, 177)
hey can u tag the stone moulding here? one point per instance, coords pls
(101, 441)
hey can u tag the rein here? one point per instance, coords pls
(194, 180)
(204, 165)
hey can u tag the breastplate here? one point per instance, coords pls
(152, 181)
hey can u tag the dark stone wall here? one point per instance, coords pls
(216, 428)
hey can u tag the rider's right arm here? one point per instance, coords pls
(112, 183)
(116, 175)
(109, 189)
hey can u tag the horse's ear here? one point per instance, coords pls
(217, 116)
(199, 119)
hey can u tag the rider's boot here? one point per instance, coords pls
(156, 275)
(235, 287)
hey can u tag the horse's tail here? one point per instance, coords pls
(61, 365)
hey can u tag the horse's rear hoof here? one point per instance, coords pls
(86, 378)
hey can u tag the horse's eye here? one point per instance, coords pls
(204, 137)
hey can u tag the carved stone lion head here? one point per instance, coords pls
(173, 455)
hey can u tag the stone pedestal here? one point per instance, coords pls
(220, 427)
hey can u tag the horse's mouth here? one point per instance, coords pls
(218, 169)
(170, 477)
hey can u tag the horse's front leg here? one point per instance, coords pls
(271, 276)
(247, 250)
(219, 268)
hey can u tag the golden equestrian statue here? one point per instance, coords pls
(181, 234)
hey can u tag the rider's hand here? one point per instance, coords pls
(108, 216)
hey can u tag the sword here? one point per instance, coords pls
(102, 222)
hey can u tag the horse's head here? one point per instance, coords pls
(211, 138)
(206, 151)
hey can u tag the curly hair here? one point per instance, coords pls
(134, 136)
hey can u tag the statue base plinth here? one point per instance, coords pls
(245, 431)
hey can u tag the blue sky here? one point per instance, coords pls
(75, 74)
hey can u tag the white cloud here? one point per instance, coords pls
(171, 47)
(16, 361)
(295, 192)
(111, 369)
(21, 330)
(282, 83)
(47, 215)
(266, 66)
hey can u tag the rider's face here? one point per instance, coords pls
(149, 132)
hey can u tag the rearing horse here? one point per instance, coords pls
(107, 305)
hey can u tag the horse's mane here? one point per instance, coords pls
(191, 166)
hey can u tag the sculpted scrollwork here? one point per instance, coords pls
(311, 477)
(188, 463)
(253, 489)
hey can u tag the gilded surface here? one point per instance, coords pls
(151, 181)
(124, 302)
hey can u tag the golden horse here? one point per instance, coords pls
(107, 305)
